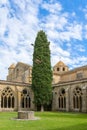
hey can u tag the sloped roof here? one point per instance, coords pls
(60, 63)
(24, 64)
(12, 66)
(81, 68)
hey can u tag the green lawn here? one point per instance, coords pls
(48, 121)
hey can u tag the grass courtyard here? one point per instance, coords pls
(48, 121)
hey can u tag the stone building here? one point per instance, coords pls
(15, 96)
(69, 88)
(20, 72)
(16, 93)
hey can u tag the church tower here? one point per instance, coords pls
(58, 70)
(60, 67)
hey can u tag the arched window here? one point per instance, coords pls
(63, 68)
(7, 98)
(77, 98)
(62, 98)
(58, 69)
(25, 99)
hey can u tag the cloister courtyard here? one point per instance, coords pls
(47, 121)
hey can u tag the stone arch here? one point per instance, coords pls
(7, 98)
(77, 98)
(62, 99)
(25, 99)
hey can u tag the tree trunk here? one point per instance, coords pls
(42, 108)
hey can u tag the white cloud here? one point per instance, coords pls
(56, 50)
(57, 53)
(58, 25)
(17, 34)
(3, 1)
(3, 20)
(79, 47)
(19, 23)
(52, 7)
(75, 31)
(80, 60)
(72, 32)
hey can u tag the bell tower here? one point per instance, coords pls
(60, 67)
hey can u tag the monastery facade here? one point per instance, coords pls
(69, 88)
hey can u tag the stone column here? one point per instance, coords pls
(0, 99)
(16, 99)
(55, 101)
(19, 100)
(32, 99)
(84, 99)
(71, 98)
(67, 99)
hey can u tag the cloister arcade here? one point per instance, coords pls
(70, 98)
(16, 97)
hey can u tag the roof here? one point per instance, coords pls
(60, 63)
(23, 64)
(12, 66)
(76, 69)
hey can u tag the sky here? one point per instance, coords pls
(64, 22)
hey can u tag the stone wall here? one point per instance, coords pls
(21, 72)
(72, 94)
(11, 96)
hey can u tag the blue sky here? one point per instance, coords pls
(64, 21)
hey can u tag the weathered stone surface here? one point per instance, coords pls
(26, 115)
(69, 89)
(14, 99)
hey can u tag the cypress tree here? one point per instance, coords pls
(41, 71)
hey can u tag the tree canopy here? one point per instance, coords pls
(41, 71)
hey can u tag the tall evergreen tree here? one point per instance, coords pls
(41, 72)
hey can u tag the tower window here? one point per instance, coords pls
(58, 69)
(63, 69)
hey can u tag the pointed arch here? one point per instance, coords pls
(7, 97)
(77, 98)
(25, 99)
(62, 99)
